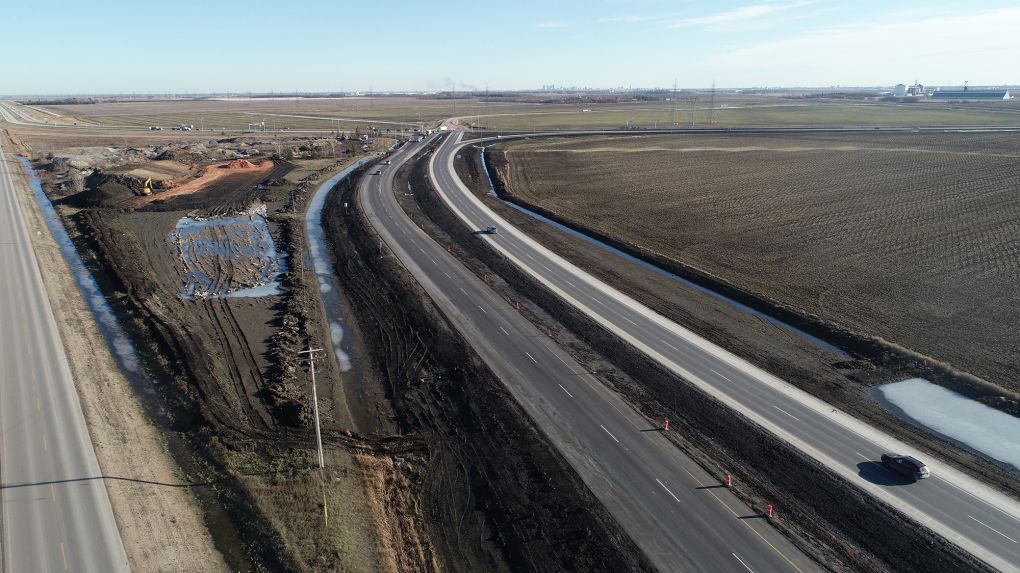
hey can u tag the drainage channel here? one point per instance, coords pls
(322, 263)
(224, 534)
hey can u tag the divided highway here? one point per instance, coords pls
(980, 520)
(56, 514)
(664, 500)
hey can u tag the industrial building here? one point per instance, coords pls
(916, 90)
(971, 95)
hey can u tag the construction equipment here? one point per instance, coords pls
(148, 187)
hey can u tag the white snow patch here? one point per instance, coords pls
(987, 430)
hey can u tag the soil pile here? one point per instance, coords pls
(238, 164)
(104, 190)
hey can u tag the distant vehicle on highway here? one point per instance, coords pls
(906, 466)
(490, 230)
(387, 162)
(377, 172)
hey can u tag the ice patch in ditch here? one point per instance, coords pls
(322, 263)
(231, 256)
(979, 427)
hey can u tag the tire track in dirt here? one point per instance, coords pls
(247, 374)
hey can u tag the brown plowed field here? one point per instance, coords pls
(913, 238)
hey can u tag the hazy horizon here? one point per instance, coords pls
(121, 48)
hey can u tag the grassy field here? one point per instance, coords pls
(911, 237)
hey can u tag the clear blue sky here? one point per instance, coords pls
(81, 46)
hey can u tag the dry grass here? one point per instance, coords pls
(235, 115)
(911, 237)
(292, 499)
(353, 113)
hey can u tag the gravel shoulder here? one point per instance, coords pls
(158, 516)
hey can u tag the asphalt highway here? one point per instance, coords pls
(980, 520)
(56, 514)
(676, 512)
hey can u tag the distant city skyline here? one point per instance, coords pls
(261, 47)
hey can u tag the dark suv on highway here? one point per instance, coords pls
(906, 466)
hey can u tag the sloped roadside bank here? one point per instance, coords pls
(488, 473)
(826, 515)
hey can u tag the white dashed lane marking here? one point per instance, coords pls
(667, 490)
(992, 528)
(610, 434)
(787, 413)
(723, 376)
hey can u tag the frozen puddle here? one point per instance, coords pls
(983, 429)
(231, 256)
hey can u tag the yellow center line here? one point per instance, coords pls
(744, 522)
(585, 377)
(63, 555)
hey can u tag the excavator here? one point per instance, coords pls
(148, 187)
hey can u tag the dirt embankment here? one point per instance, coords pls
(222, 188)
(214, 189)
(493, 493)
(825, 515)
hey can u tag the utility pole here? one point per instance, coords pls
(711, 106)
(675, 123)
(318, 433)
(315, 402)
